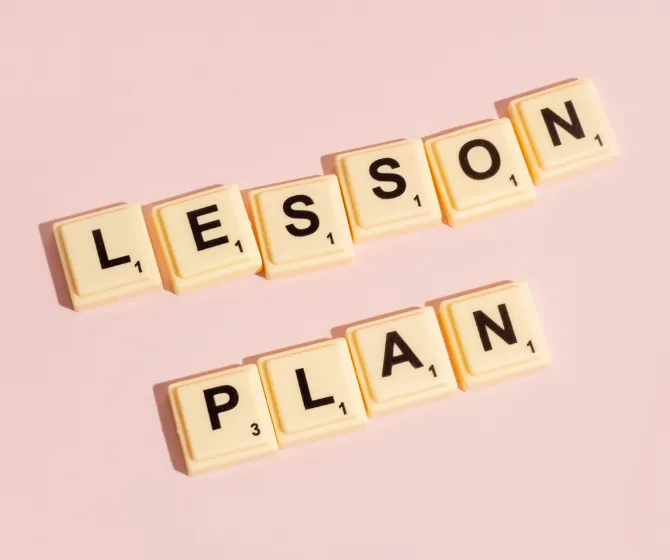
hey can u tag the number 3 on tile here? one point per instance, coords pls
(256, 429)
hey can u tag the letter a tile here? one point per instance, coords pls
(206, 238)
(494, 334)
(222, 419)
(312, 392)
(106, 256)
(563, 130)
(401, 360)
(387, 189)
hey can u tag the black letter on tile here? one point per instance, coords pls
(393, 339)
(506, 332)
(307, 396)
(300, 214)
(103, 257)
(198, 228)
(574, 127)
(213, 409)
(494, 154)
(401, 184)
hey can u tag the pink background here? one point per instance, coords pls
(141, 100)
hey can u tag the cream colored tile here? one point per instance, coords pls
(563, 130)
(494, 334)
(387, 189)
(206, 238)
(312, 391)
(106, 256)
(401, 360)
(301, 226)
(479, 171)
(222, 418)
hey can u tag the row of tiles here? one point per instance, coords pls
(380, 366)
(464, 175)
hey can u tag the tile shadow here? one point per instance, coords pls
(56, 270)
(502, 104)
(249, 360)
(339, 331)
(435, 303)
(328, 160)
(166, 417)
(455, 129)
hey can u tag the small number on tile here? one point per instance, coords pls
(418, 200)
(238, 244)
(344, 408)
(513, 179)
(432, 370)
(530, 345)
(330, 236)
(256, 430)
(138, 266)
(599, 139)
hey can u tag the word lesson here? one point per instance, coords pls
(465, 175)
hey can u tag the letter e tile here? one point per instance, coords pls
(206, 238)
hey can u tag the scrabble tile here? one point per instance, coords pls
(301, 226)
(563, 130)
(222, 418)
(387, 189)
(401, 360)
(206, 238)
(479, 171)
(494, 334)
(106, 256)
(312, 391)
